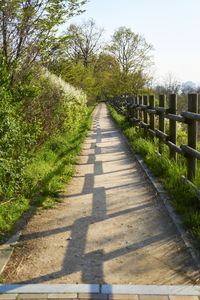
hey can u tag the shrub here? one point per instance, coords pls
(43, 121)
(58, 107)
(31, 111)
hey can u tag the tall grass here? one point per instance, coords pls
(184, 198)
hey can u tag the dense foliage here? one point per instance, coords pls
(27, 28)
(119, 67)
(29, 115)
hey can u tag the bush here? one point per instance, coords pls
(16, 137)
(43, 121)
(57, 108)
(32, 110)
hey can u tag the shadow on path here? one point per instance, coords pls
(76, 259)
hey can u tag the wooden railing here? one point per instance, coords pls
(142, 112)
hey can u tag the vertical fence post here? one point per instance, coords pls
(152, 117)
(192, 135)
(140, 111)
(172, 124)
(145, 113)
(135, 111)
(131, 109)
(161, 121)
(128, 108)
(128, 104)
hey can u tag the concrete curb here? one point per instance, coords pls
(48, 288)
(6, 250)
(151, 290)
(105, 289)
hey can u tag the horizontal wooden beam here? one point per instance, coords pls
(174, 147)
(190, 115)
(190, 151)
(175, 118)
(161, 134)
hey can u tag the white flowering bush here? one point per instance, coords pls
(58, 107)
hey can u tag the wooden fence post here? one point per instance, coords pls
(140, 111)
(145, 113)
(131, 109)
(152, 117)
(128, 108)
(172, 124)
(162, 99)
(192, 135)
(136, 111)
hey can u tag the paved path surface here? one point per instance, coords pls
(111, 227)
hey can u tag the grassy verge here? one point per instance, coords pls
(169, 173)
(47, 175)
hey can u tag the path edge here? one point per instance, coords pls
(6, 250)
(96, 291)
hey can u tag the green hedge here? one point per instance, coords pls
(35, 110)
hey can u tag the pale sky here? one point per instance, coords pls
(171, 26)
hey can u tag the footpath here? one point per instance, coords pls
(110, 238)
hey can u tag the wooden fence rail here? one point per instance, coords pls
(142, 112)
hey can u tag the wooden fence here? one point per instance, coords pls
(142, 112)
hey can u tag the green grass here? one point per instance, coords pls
(184, 198)
(46, 176)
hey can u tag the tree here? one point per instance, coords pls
(188, 87)
(105, 69)
(130, 49)
(171, 84)
(27, 28)
(81, 63)
(132, 52)
(83, 42)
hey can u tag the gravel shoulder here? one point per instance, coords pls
(110, 228)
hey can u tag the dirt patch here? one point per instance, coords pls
(111, 227)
